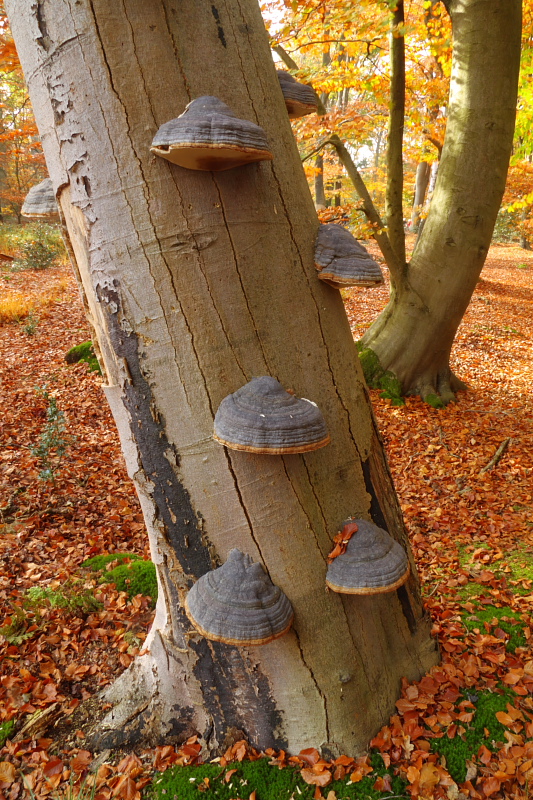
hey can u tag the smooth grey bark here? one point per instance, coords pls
(414, 334)
(196, 282)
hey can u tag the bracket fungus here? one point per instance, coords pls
(373, 562)
(342, 260)
(262, 417)
(238, 604)
(40, 202)
(208, 136)
(300, 99)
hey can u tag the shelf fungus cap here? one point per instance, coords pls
(238, 604)
(208, 136)
(373, 563)
(300, 99)
(40, 202)
(342, 260)
(261, 417)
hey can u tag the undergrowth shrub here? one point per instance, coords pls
(53, 441)
(40, 247)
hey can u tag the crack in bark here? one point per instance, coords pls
(302, 506)
(311, 673)
(237, 270)
(176, 52)
(243, 506)
(314, 493)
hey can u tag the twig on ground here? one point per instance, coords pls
(497, 455)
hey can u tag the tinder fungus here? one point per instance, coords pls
(238, 604)
(40, 202)
(208, 136)
(261, 417)
(342, 261)
(372, 563)
(300, 99)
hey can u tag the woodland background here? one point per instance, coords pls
(67, 628)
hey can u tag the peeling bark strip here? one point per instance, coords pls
(195, 284)
(148, 431)
(224, 672)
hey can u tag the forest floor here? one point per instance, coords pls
(64, 635)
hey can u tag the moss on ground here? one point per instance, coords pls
(483, 729)
(83, 353)
(98, 563)
(206, 782)
(433, 400)
(378, 378)
(505, 618)
(6, 729)
(136, 576)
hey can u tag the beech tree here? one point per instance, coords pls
(413, 336)
(194, 282)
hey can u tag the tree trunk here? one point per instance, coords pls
(414, 334)
(320, 194)
(195, 282)
(394, 192)
(423, 171)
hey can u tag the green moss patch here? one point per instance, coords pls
(505, 618)
(139, 577)
(462, 748)
(433, 400)
(208, 782)
(131, 574)
(6, 730)
(378, 378)
(83, 353)
(98, 563)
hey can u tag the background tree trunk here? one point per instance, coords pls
(195, 282)
(423, 172)
(414, 334)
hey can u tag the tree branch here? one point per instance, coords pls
(379, 229)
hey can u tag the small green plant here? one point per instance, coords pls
(208, 781)
(20, 628)
(42, 249)
(31, 324)
(7, 728)
(378, 378)
(72, 597)
(53, 442)
(460, 749)
(83, 352)
(522, 266)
